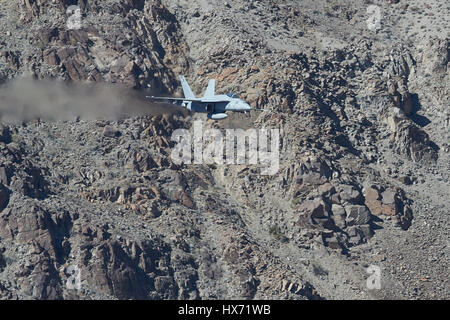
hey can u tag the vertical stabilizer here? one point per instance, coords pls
(186, 89)
(209, 93)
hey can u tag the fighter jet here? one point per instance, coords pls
(214, 105)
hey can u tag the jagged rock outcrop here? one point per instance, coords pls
(362, 149)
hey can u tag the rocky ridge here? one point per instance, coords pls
(363, 155)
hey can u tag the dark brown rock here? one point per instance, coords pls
(51, 58)
(373, 200)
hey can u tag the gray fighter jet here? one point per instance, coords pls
(214, 105)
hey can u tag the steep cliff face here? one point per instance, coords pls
(117, 41)
(363, 119)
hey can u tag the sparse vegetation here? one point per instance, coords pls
(297, 200)
(212, 166)
(318, 269)
(276, 232)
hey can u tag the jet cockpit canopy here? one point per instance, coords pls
(233, 95)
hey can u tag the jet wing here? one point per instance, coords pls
(172, 99)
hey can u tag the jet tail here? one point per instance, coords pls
(186, 89)
(209, 93)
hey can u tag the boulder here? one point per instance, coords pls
(373, 200)
(315, 212)
(339, 215)
(326, 189)
(389, 209)
(359, 234)
(390, 202)
(349, 194)
(111, 132)
(357, 215)
(389, 196)
(314, 208)
(413, 142)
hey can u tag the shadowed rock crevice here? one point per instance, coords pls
(88, 183)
